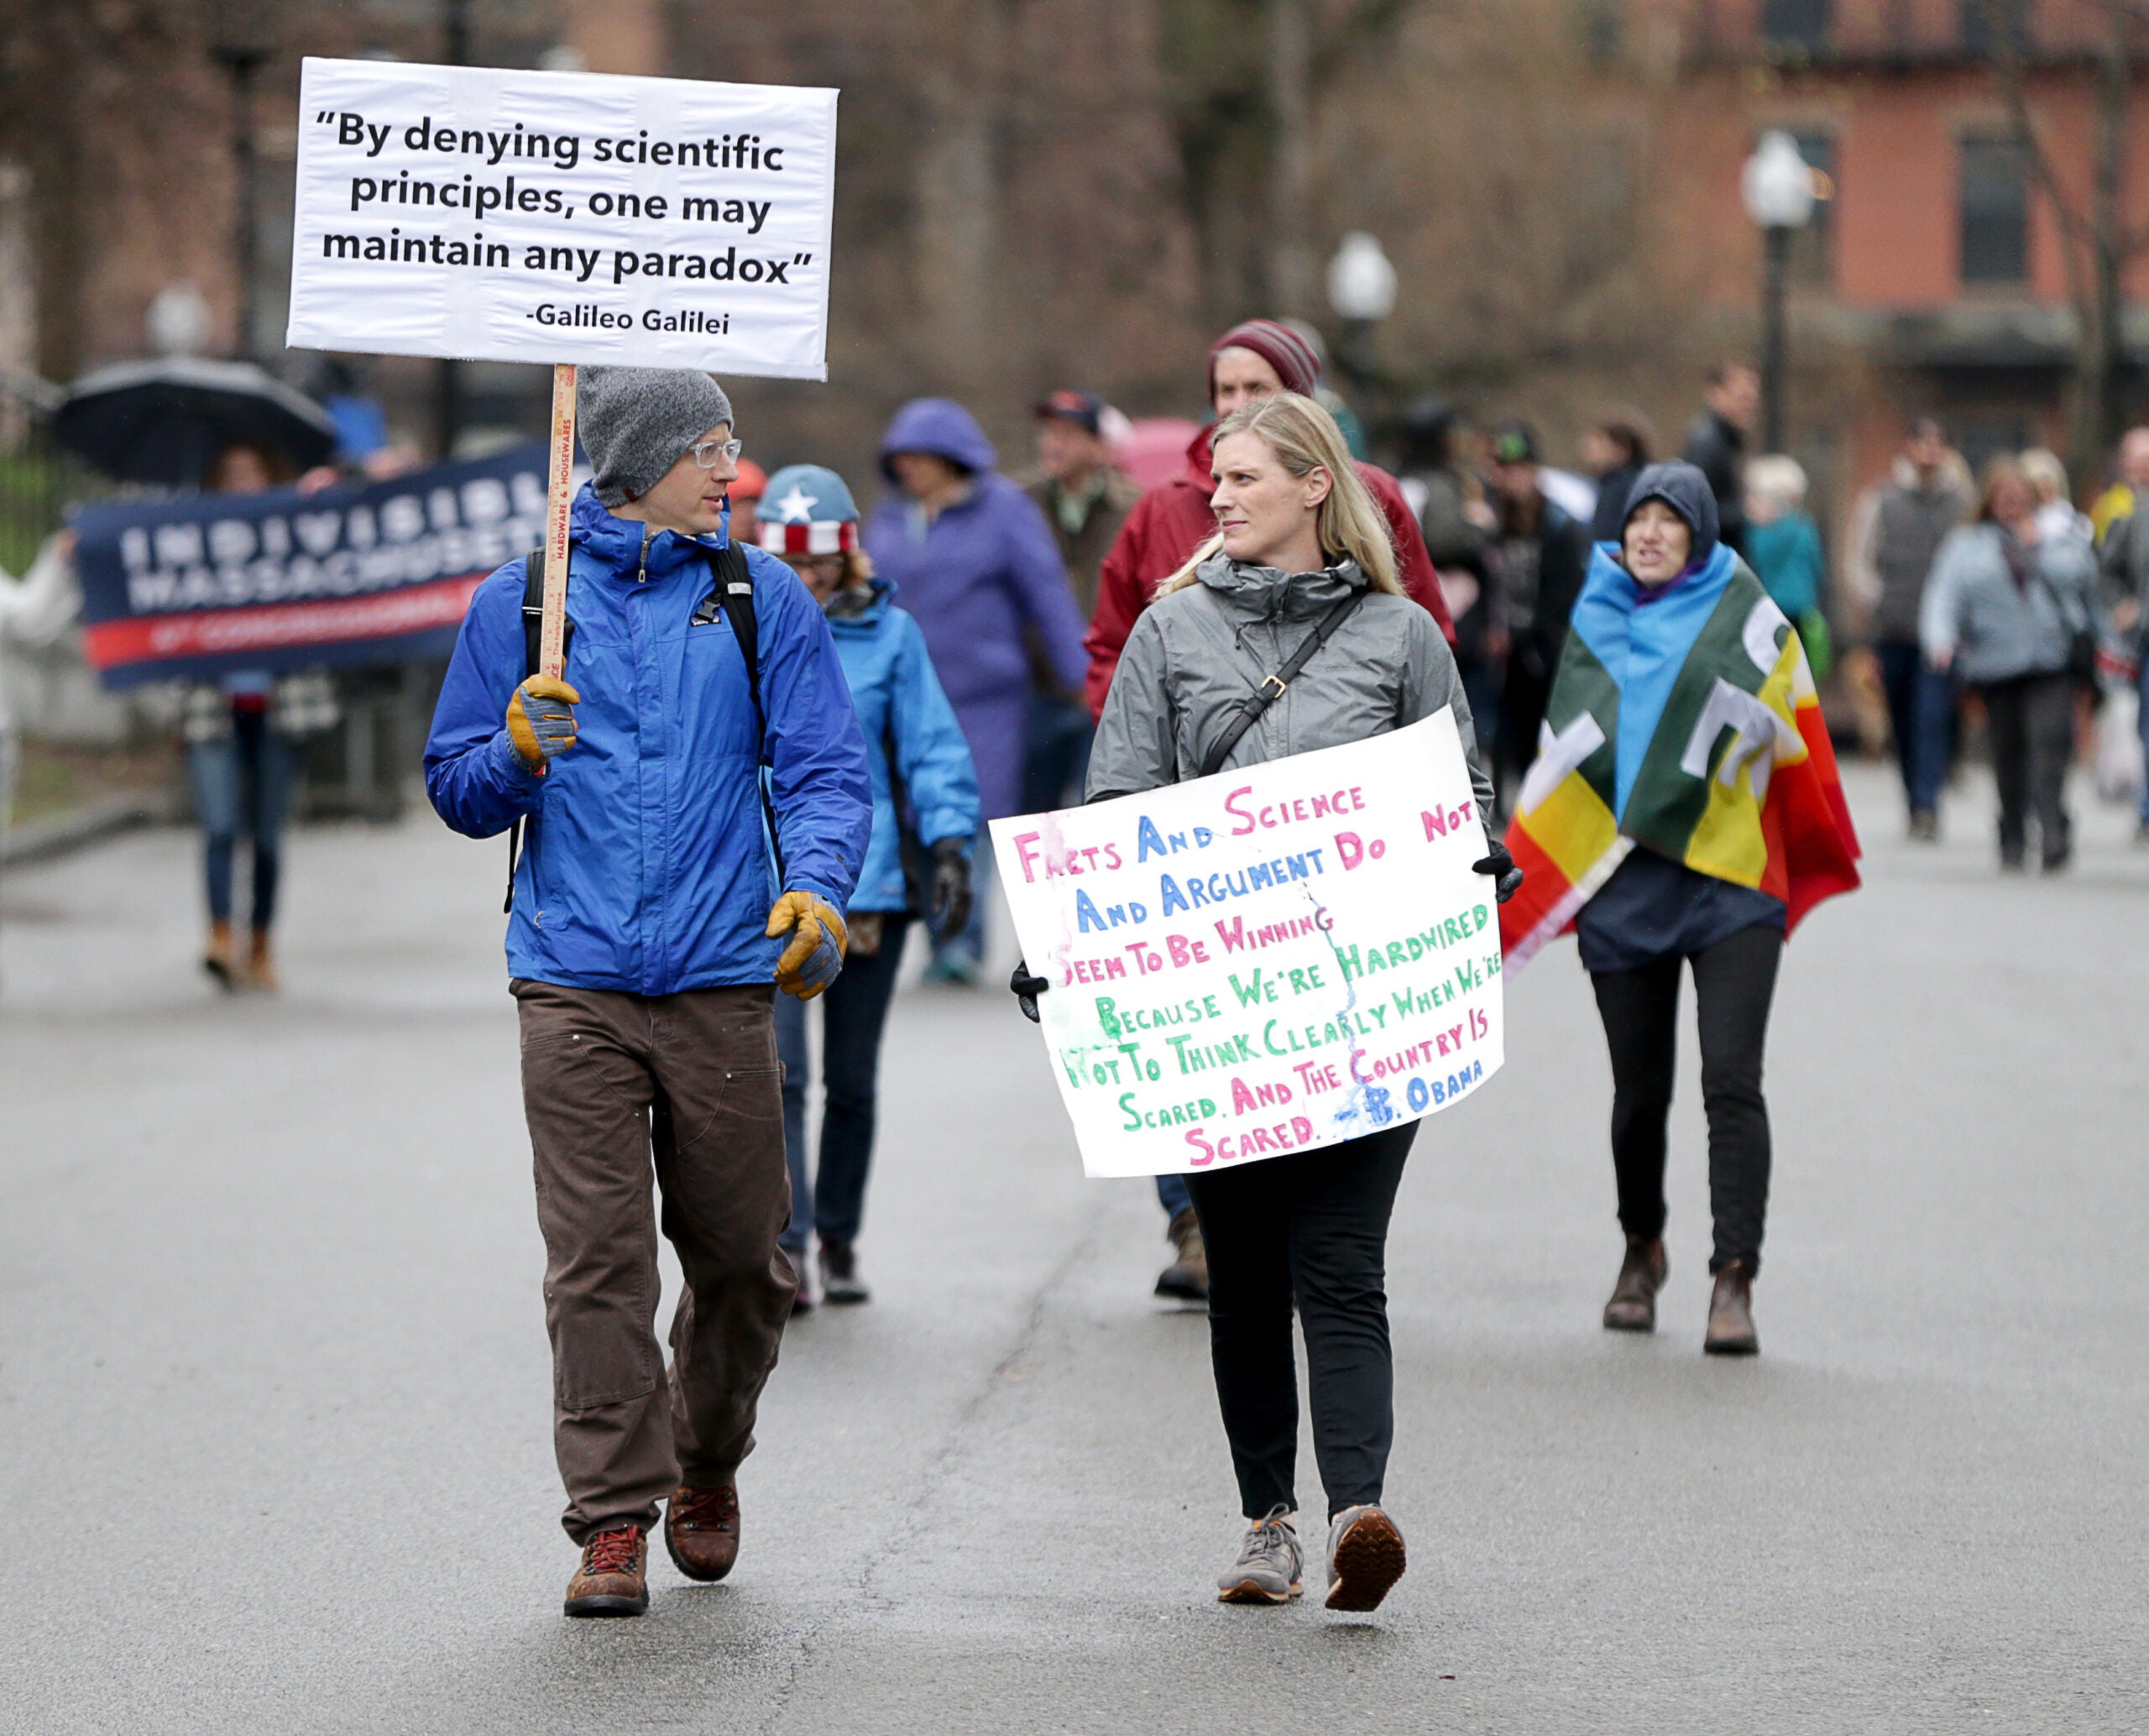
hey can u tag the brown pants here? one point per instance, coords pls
(608, 1078)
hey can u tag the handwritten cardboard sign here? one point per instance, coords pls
(562, 216)
(1265, 960)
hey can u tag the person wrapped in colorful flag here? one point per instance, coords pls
(1684, 808)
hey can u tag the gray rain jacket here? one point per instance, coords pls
(1195, 656)
(1997, 629)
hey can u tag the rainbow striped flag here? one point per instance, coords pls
(1686, 723)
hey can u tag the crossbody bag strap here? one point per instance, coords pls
(734, 597)
(1272, 686)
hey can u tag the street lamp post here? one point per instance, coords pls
(1362, 289)
(1777, 186)
(242, 48)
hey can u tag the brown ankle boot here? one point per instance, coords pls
(701, 1530)
(220, 958)
(1187, 1277)
(261, 964)
(1731, 1314)
(1633, 1306)
(613, 1576)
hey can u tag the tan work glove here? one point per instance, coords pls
(814, 957)
(540, 720)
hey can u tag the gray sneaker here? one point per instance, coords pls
(1267, 1571)
(1364, 1558)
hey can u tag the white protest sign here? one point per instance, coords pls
(1265, 960)
(562, 216)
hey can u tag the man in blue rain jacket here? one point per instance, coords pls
(648, 934)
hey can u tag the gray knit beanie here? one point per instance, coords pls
(636, 423)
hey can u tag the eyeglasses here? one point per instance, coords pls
(707, 453)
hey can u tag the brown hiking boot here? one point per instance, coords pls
(613, 1578)
(1731, 1314)
(701, 1530)
(1633, 1306)
(1187, 1277)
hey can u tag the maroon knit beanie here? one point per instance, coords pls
(1279, 346)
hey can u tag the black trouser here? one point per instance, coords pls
(1528, 685)
(1734, 981)
(2032, 719)
(1311, 1226)
(854, 1013)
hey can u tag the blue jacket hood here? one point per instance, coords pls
(940, 425)
(615, 545)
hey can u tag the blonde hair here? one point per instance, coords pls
(1304, 438)
(2045, 475)
(1779, 478)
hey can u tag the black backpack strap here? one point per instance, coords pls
(1272, 686)
(533, 634)
(733, 598)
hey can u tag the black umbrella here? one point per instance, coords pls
(168, 420)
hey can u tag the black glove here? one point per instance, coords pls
(951, 889)
(1507, 878)
(1026, 989)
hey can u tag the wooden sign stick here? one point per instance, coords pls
(552, 634)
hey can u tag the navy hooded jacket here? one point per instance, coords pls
(647, 869)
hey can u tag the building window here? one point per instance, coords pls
(1988, 24)
(1602, 26)
(1796, 23)
(1994, 206)
(1813, 248)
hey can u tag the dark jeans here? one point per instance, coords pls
(1481, 685)
(1056, 759)
(2141, 721)
(243, 782)
(1527, 687)
(1733, 982)
(1921, 717)
(963, 951)
(854, 1013)
(2032, 719)
(615, 1085)
(1310, 1227)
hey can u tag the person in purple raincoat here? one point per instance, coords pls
(979, 571)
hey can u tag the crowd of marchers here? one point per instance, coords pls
(784, 722)
(783, 726)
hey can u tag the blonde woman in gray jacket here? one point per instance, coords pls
(2007, 611)
(1301, 557)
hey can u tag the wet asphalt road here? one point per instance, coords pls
(273, 1384)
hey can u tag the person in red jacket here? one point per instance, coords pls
(1252, 360)
(1256, 359)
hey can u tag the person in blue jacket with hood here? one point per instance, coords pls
(651, 925)
(979, 570)
(925, 811)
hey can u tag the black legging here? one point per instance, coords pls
(1733, 982)
(1313, 1226)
